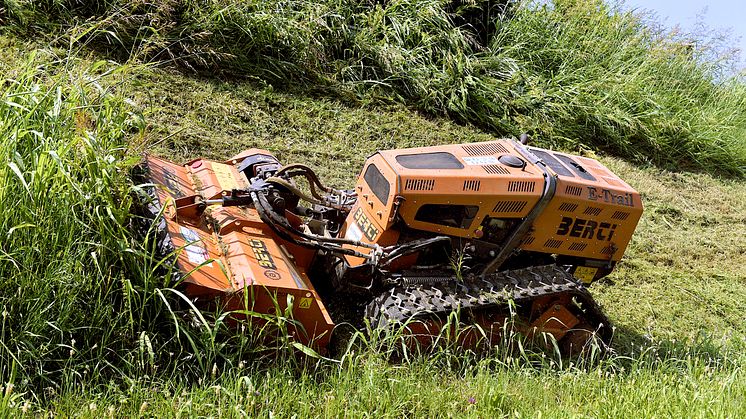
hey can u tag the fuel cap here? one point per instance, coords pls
(512, 161)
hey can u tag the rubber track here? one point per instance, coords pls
(400, 304)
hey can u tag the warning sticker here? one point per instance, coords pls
(305, 302)
(585, 274)
(354, 232)
(480, 160)
(195, 250)
(225, 176)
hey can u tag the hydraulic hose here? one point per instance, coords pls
(293, 170)
(411, 247)
(280, 226)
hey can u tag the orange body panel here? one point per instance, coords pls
(592, 214)
(497, 190)
(477, 179)
(229, 253)
(481, 180)
(587, 218)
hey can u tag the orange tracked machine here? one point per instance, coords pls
(425, 232)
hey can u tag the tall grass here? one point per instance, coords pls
(367, 386)
(83, 299)
(572, 73)
(62, 248)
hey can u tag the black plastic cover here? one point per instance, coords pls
(512, 161)
(576, 167)
(450, 215)
(552, 162)
(250, 164)
(437, 160)
(377, 183)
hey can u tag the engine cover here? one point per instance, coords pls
(480, 191)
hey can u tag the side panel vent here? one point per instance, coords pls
(485, 149)
(620, 215)
(574, 190)
(517, 186)
(419, 184)
(510, 206)
(494, 169)
(592, 211)
(553, 244)
(608, 250)
(471, 185)
(528, 240)
(568, 207)
(578, 247)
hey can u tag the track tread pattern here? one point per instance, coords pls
(400, 304)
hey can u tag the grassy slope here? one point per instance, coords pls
(684, 274)
(685, 270)
(564, 69)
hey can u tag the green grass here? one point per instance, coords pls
(685, 388)
(82, 298)
(62, 140)
(88, 325)
(563, 71)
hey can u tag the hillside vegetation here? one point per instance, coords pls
(573, 73)
(92, 324)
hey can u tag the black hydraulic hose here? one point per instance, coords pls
(312, 182)
(323, 201)
(411, 247)
(317, 237)
(284, 235)
(297, 169)
(297, 192)
(285, 230)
